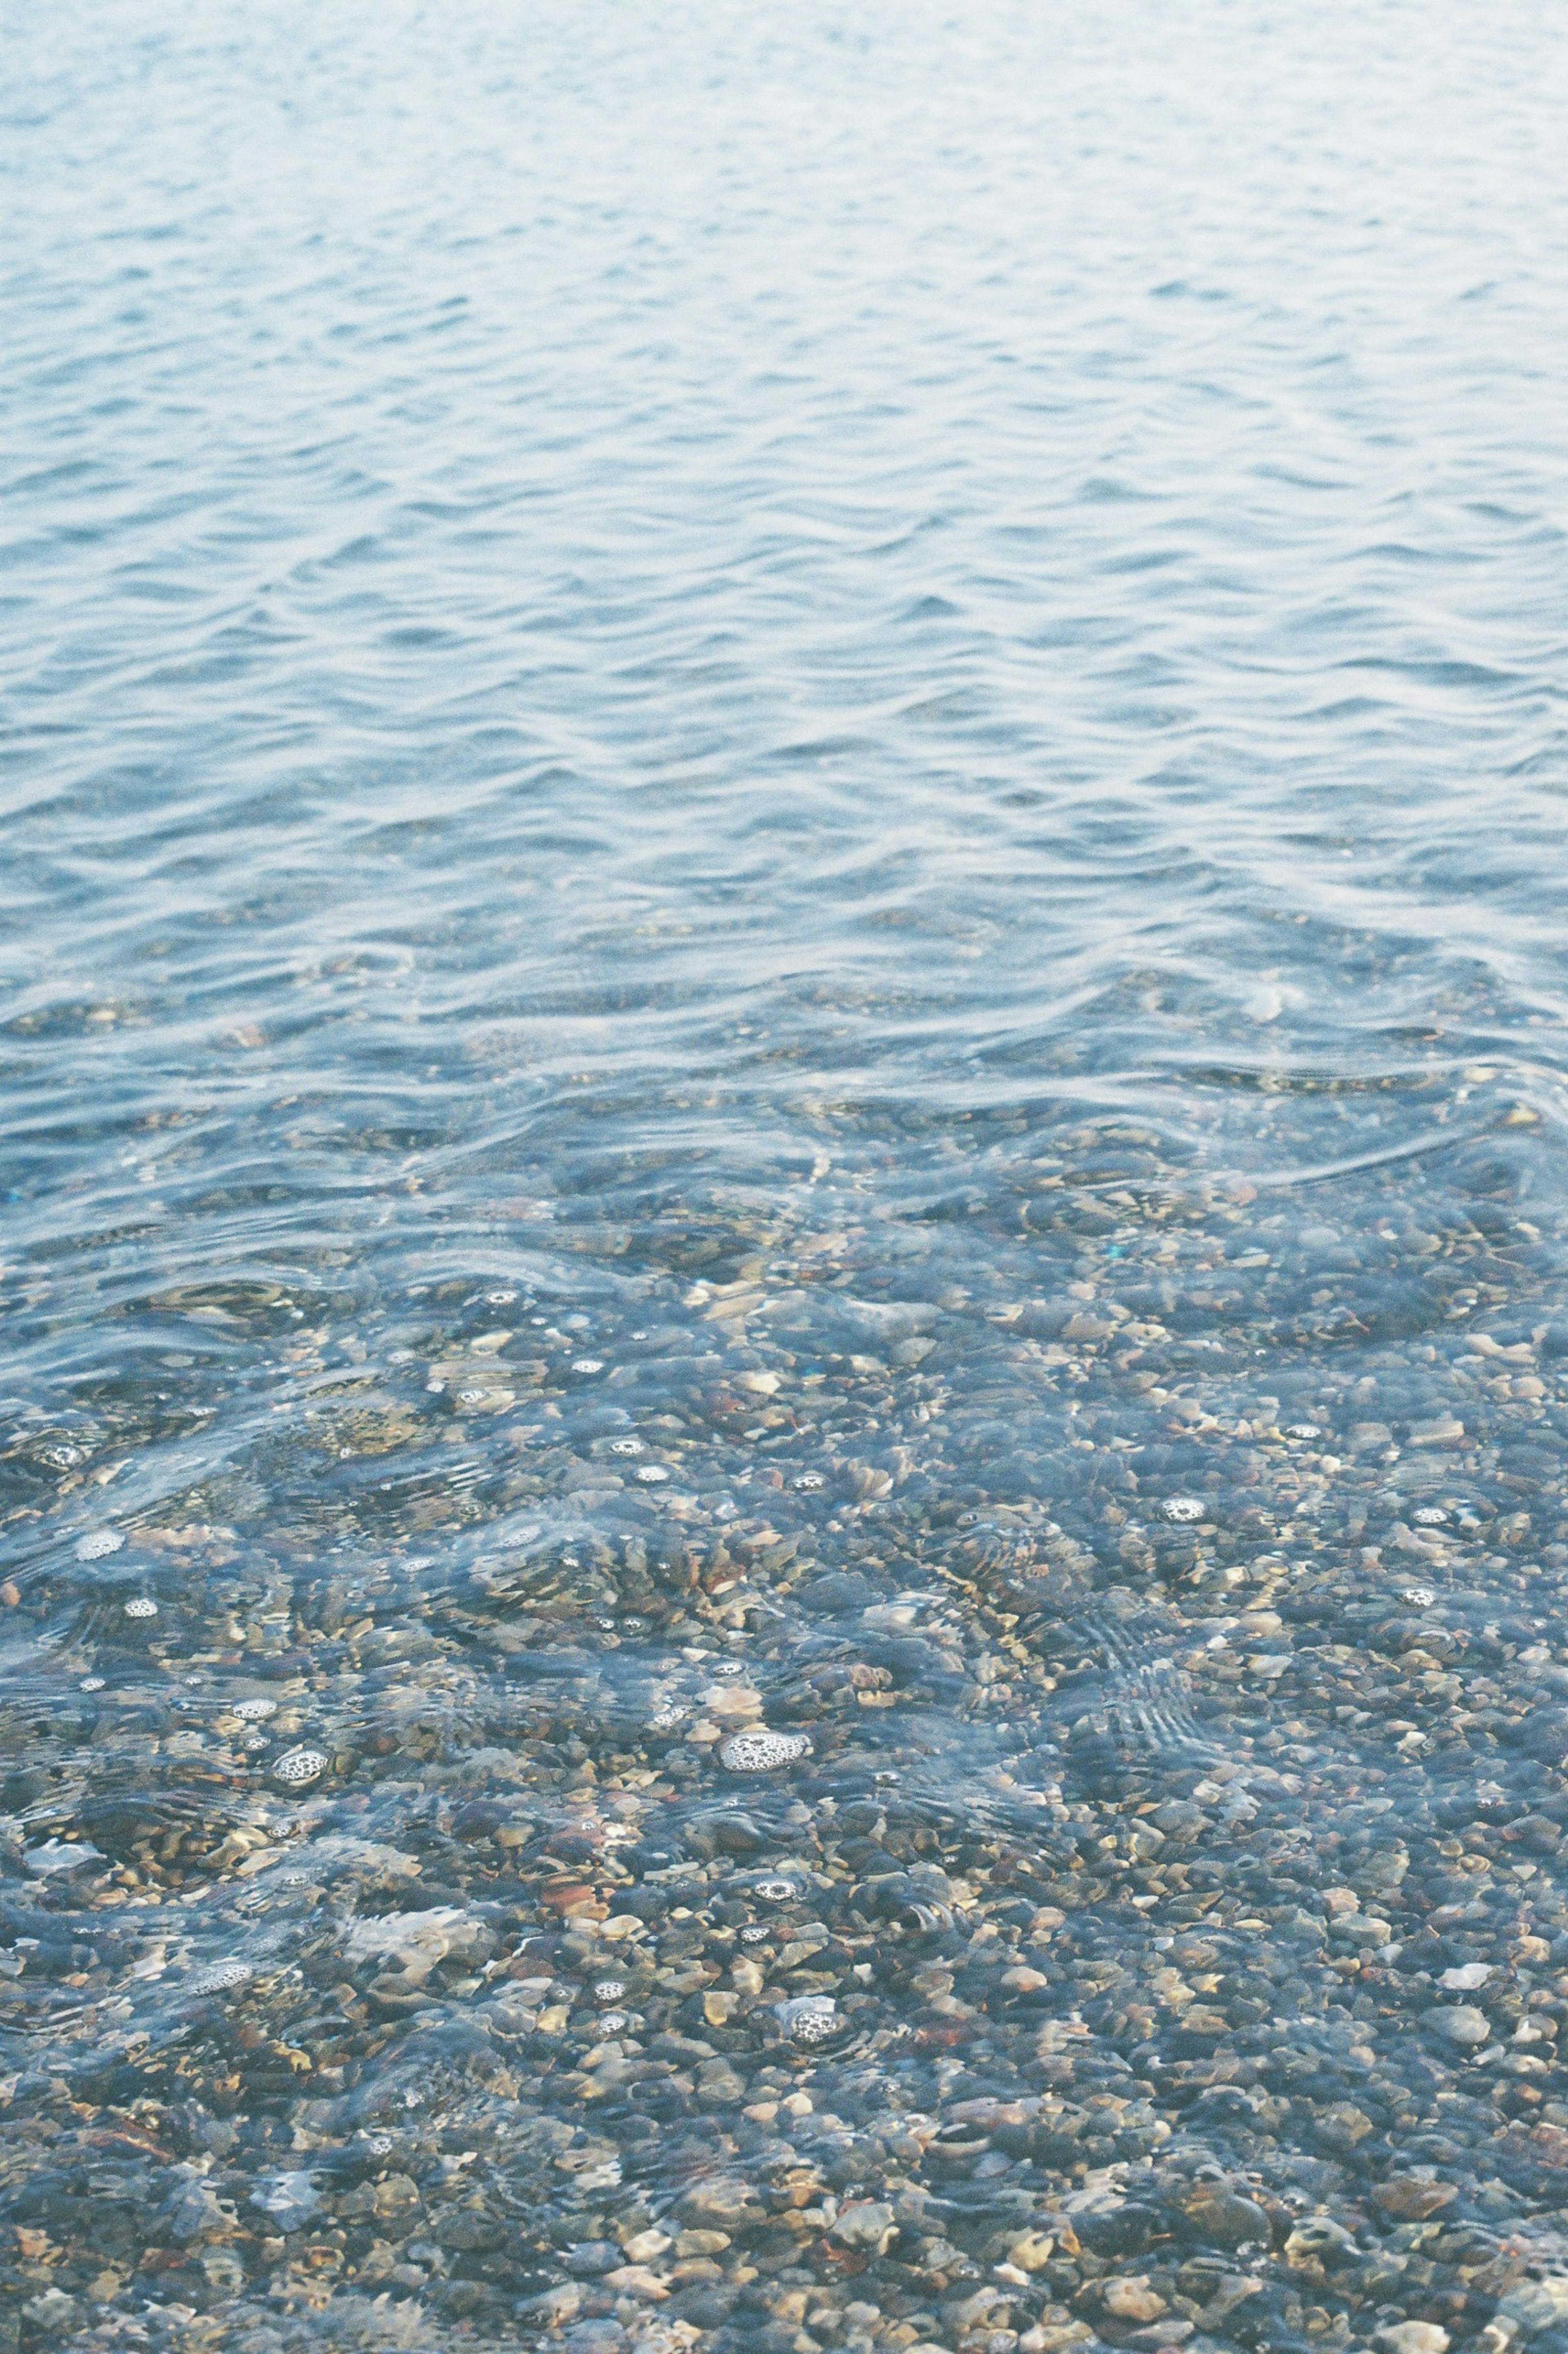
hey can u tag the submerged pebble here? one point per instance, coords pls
(221, 1977)
(810, 2019)
(762, 1753)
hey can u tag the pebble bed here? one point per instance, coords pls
(1023, 1838)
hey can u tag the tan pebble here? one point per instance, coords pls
(1413, 2338)
(1132, 2299)
(636, 2280)
(733, 1700)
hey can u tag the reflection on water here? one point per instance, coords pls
(782, 1458)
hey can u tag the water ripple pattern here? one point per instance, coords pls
(783, 1536)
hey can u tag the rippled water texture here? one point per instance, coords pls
(783, 1533)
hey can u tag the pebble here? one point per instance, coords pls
(1413, 2338)
(1460, 2024)
(810, 2018)
(289, 2199)
(220, 1977)
(762, 1753)
(1466, 1978)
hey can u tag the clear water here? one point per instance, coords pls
(906, 660)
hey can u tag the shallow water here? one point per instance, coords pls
(784, 872)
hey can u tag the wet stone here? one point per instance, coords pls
(1461, 2025)
(762, 1753)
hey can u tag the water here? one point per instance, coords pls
(819, 752)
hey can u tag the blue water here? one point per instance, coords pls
(909, 661)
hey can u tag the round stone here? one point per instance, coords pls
(221, 1977)
(762, 1753)
(1460, 2024)
(296, 1768)
(808, 2017)
(1413, 2338)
